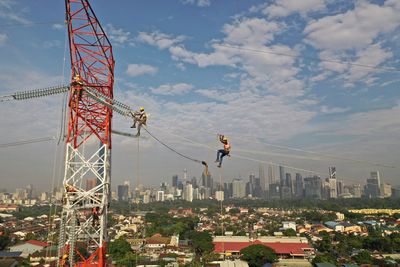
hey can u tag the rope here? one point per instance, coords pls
(174, 150)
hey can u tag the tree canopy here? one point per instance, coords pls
(258, 255)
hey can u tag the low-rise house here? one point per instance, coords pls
(29, 247)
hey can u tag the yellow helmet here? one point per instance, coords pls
(141, 108)
(224, 139)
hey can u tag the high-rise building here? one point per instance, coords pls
(160, 196)
(219, 195)
(123, 192)
(373, 186)
(274, 191)
(299, 187)
(339, 187)
(238, 188)
(263, 179)
(332, 188)
(91, 183)
(194, 182)
(188, 192)
(312, 187)
(271, 175)
(288, 181)
(386, 190)
(355, 190)
(175, 181)
(282, 176)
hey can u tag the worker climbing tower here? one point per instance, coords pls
(83, 234)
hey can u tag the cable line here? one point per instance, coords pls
(308, 57)
(31, 23)
(25, 142)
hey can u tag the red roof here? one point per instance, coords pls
(280, 248)
(37, 243)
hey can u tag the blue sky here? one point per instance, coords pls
(180, 59)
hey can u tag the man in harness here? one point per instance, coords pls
(223, 152)
(139, 117)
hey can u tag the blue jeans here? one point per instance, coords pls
(220, 154)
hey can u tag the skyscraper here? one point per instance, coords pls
(175, 180)
(313, 187)
(282, 175)
(263, 180)
(271, 175)
(238, 189)
(123, 191)
(91, 183)
(299, 187)
(188, 192)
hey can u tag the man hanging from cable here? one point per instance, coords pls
(223, 152)
(139, 117)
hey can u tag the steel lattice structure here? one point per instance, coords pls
(83, 234)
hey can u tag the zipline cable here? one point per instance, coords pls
(325, 155)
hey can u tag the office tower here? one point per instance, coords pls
(219, 195)
(160, 196)
(123, 192)
(373, 186)
(238, 189)
(312, 187)
(91, 183)
(386, 190)
(175, 181)
(288, 181)
(262, 177)
(188, 192)
(194, 182)
(271, 175)
(282, 175)
(274, 191)
(299, 187)
(355, 190)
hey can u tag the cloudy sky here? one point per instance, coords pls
(265, 73)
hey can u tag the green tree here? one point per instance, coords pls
(201, 242)
(324, 245)
(364, 257)
(289, 232)
(325, 257)
(30, 236)
(258, 255)
(119, 248)
(4, 242)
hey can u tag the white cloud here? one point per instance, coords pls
(161, 40)
(134, 70)
(51, 44)
(118, 35)
(172, 89)
(251, 31)
(7, 12)
(3, 38)
(200, 3)
(354, 36)
(180, 66)
(333, 110)
(355, 28)
(283, 8)
(57, 26)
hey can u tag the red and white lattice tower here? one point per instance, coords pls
(83, 232)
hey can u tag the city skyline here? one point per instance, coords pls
(280, 98)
